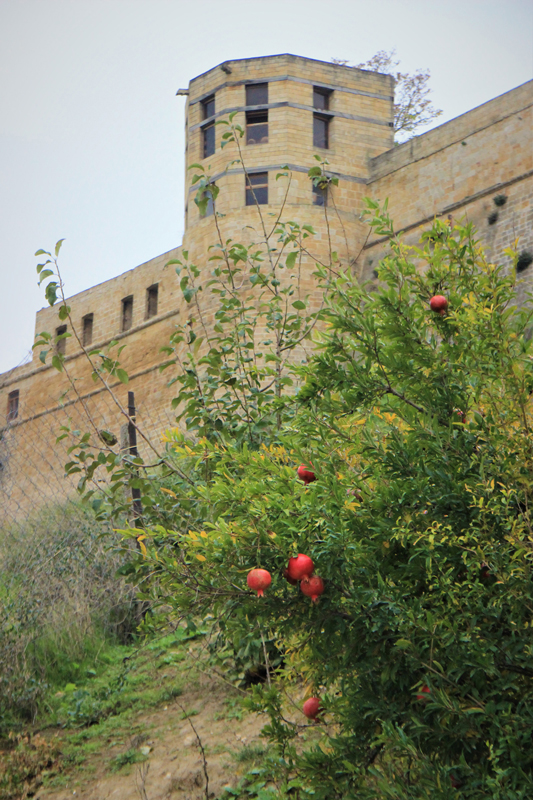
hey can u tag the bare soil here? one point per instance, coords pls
(174, 765)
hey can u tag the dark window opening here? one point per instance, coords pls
(320, 131)
(210, 207)
(61, 345)
(127, 313)
(13, 404)
(257, 94)
(151, 300)
(257, 189)
(208, 134)
(321, 98)
(256, 127)
(208, 107)
(87, 329)
(320, 196)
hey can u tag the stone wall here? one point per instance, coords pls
(454, 171)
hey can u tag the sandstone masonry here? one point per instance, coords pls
(454, 171)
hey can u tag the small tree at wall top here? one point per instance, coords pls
(412, 106)
(413, 415)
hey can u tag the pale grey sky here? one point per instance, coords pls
(91, 132)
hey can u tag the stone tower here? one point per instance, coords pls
(290, 109)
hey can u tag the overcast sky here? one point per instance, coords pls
(91, 131)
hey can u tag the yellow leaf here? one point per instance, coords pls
(169, 491)
(200, 558)
(144, 551)
(193, 536)
(203, 534)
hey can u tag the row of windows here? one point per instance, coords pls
(257, 121)
(87, 335)
(257, 192)
(126, 319)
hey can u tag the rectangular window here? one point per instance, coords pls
(208, 107)
(257, 189)
(320, 196)
(151, 300)
(208, 135)
(256, 127)
(127, 313)
(209, 210)
(257, 94)
(320, 131)
(13, 404)
(321, 98)
(61, 345)
(87, 330)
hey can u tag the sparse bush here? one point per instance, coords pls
(60, 604)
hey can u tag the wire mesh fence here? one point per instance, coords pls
(32, 460)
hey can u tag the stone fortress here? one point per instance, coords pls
(291, 109)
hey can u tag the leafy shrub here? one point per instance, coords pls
(23, 766)
(60, 603)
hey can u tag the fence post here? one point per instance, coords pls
(132, 441)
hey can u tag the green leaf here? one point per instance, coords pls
(58, 246)
(42, 253)
(57, 362)
(122, 375)
(42, 356)
(45, 274)
(299, 304)
(403, 644)
(51, 293)
(64, 311)
(291, 259)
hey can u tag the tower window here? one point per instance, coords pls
(320, 131)
(208, 136)
(87, 329)
(13, 404)
(321, 98)
(256, 127)
(257, 94)
(320, 196)
(208, 107)
(127, 313)
(210, 207)
(61, 344)
(257, 189)
(151, 300)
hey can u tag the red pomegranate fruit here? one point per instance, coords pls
(439, 303)
(299, 567)
(455, 782)
(305, 474)
(288, 578)
(259, 580)
(423, 695)
(311, 707)
(312, 587)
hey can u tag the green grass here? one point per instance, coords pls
(99, 711)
